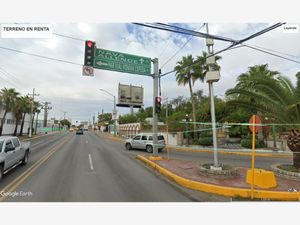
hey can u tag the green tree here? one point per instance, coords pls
(8, 98)
(17, 110)
(25, 106)
(65, 122)
(272, 96)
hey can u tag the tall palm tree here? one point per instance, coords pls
(8, 98)
(189, 70)
(271, 95)
(25, 102)
(17, 109)
(187, 73)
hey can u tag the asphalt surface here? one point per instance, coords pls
(66, 167)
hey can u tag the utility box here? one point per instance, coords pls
(209, 41)
(262, 178)
(210, 60)
(212, 76)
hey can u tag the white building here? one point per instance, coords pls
(10, 123)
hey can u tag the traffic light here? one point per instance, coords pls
(89, 53)
(157, 104)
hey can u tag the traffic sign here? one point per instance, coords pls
(122, 62)
(257, 121)
(87, 71)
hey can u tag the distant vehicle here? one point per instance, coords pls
(71, 129)
(79, 131)
(12, 152)
(85, 127)
(145, 141)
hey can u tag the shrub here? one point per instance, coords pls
(247, 143)
(205, 141)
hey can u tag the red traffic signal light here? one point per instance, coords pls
(89, 53)
(89, 44)
(157, 104)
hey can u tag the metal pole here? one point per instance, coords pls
(36, 122)
(131, 109)
(212, 111)
(155, 94)
(213, 121)
(167, 146)
(31, 117)
(252, 160)
(115, 113)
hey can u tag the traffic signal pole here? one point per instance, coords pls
(155, 94)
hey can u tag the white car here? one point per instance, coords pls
(145, 141)
(12, 152)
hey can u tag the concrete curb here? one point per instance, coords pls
(222, 190)
(29, 139)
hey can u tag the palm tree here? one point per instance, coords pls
(271, 95)
(17, 113)
(8, 98)
(25, 102)
(188, 71)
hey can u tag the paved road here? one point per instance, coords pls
(85, 168)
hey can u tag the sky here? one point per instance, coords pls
(79, 96)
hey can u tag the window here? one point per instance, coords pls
(150, 138)
(9, 144)
(137, 138)
(1, 144)
(160, 137)
(16, 142)
(144, 138)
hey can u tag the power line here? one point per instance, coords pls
(70, 37)
(40, 56)
(235, 44)
(180, 48)
(167, 27)
(282, 53)
(270, 53)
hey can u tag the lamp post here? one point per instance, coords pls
(115, 131)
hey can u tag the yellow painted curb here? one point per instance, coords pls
(222, 190)
(157, 158)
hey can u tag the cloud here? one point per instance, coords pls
(79, 96)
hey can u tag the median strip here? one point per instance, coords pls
(20, 179)
(221, 190)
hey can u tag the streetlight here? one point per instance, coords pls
(114, 109)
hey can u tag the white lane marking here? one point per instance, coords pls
(91, 162)
(87, 141)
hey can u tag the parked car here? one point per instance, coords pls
(12, 152)
(79, 131)
(145, 141)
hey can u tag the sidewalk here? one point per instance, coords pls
(42, 134)
(186, 174)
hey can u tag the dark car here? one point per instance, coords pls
(79, 131)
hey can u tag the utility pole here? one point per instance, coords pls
(31, 112)
(212, 76)
(46, 113)
(155, 94)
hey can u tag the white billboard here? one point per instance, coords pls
(130, 95)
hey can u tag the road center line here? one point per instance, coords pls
(91, 162)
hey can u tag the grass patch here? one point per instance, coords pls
(289, 168)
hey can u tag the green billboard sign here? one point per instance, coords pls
(122, 62)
